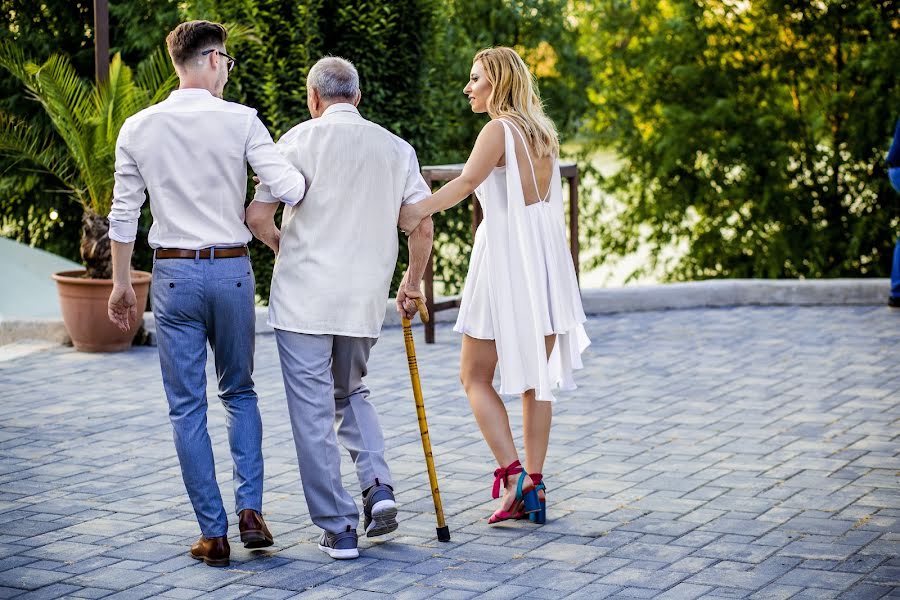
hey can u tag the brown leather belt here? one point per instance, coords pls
(204, 253)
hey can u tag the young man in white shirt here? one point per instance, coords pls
(337, 251)
(190, 152)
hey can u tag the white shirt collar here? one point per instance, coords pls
(340, 107)
(190, 93)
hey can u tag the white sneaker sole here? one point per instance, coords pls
(384, 518)
(340, 554)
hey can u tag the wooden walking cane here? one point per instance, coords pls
(443, 532)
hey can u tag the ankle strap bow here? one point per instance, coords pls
(502, 473)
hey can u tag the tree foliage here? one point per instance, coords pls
(413, 59)
(78, 150)
(749, 132)
(85, 119)
(35, 207)
(32, 209)
(753, 131)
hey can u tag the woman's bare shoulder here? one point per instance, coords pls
(493, 129)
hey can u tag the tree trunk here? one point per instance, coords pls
(95, 250)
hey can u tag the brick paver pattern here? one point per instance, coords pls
(731, 453)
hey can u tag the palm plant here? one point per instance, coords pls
(79, 149)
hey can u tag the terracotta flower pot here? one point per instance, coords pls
(83, 302)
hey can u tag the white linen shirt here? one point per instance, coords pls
(190, 152)
(339, 246)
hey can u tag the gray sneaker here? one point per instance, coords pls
(341, 546)
(380, 510)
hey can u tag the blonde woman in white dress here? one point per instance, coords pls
(521, 307)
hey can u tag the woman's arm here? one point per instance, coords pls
(489, 148)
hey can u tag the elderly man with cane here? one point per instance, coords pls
(337, 250)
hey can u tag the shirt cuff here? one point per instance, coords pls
(295, 195)
(124, 232)
(415, 198)
(264, 195)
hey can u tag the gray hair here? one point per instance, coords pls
(334, 77)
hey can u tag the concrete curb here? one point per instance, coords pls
(15, 330)
(713, 293)
(717, 293)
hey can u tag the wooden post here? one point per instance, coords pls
(429, 287)
(429, 299)
(477, 213)
(573, 222)
(101, 40)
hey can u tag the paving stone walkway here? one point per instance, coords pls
(731, 453)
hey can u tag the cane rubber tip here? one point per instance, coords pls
(443, 534)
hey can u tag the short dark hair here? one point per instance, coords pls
(192, 37)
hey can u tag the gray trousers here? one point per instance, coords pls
(323, 380)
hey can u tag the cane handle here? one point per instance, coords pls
(423, 310)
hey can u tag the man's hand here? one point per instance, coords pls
(270, 236)
(406, 299)
(260, 220)
(122, 307)
(410, 217)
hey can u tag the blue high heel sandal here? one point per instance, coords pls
(530, 498)
(539, 517)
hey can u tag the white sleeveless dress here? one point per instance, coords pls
(521, 284)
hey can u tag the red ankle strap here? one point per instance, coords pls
(536, 477)
(502, 473)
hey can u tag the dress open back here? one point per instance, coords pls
(521, 284)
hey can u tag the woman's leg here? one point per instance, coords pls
(478, 360)
(536, 417)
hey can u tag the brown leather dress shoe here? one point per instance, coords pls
(213, 551)
(254, 532)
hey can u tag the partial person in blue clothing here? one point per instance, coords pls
(893, 162)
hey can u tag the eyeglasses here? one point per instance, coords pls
(231, 61)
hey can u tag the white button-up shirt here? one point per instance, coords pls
(339, 246)
(190, 152)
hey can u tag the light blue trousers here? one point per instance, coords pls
(323, 380)
(196, 301)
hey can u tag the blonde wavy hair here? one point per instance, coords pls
(515, 97)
